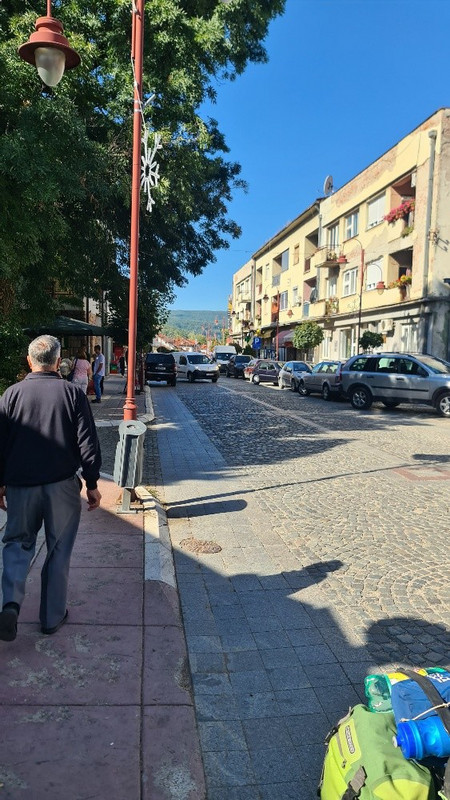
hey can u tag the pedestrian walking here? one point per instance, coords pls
(122, 365)
(81, 370)
(47, 433)
(99, 373)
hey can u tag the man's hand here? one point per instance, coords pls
(93, 498)
(2, 497)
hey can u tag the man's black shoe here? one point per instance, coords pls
(96, 401)
(49, 631)
(8, 625)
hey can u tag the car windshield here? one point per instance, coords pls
(300, 367)
(436, 365)
(242, 359)
(223, 356)
(198, 359)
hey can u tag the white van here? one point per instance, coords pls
(195, 365)
(222, 354)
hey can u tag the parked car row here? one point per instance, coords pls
(392, 378)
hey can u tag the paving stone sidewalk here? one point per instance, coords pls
(285, 618)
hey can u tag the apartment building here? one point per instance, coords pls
(373, 255)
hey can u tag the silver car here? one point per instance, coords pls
(396, 378)
(324, 379)
(290, 374)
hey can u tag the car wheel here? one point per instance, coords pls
(361, 397)
(235, 375)
(443, 404)
(391, 403)
(326, 394)
(280, 383)
(302, 390)
(293, 386)
(214, 380)
(190, 377)
(255, 379)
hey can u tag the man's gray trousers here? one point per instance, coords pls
(58, 506)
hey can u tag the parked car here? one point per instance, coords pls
(396, 378)
(324, 379)
(248, 369)
(160, 367)
(290, 374)
(195, 365)
(235, 366)
(265, 371)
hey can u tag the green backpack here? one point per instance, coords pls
(362, 762)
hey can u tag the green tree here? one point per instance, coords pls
(369, 340)
(307, 335)
(65, 155)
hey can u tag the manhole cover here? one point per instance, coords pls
(200, 546)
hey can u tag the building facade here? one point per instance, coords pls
(374, 255)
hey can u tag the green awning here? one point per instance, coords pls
(65, 326)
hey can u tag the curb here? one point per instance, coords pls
(159, 564)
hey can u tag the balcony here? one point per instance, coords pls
(325, 257)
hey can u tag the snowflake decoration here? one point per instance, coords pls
(150, 168)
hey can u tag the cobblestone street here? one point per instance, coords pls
(333, 529)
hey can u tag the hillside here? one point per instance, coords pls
(195, 322)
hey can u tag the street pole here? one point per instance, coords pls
(137, 55)
(361, 283)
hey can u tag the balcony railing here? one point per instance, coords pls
(331, 306)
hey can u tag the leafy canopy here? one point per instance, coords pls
(65, 156)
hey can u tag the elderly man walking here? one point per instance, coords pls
(47, 433)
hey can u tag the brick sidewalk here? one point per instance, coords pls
(104, 707)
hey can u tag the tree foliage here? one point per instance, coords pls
(65, 156)
(307, 335)
(370, 339)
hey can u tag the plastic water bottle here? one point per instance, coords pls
(378, 687)
(422, 738)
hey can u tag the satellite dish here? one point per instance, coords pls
(328, 185)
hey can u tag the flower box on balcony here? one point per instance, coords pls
(401, 211)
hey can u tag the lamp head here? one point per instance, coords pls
(49, 50)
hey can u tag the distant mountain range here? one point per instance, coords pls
(195, 322)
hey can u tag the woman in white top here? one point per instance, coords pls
(82, 370)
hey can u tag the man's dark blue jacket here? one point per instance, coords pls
(47, 433)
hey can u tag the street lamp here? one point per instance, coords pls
(49, 50)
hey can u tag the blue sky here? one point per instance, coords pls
(345, 80)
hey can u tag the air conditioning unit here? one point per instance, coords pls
(386, 325)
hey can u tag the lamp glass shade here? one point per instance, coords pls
(50, 64)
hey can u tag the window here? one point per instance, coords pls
(333, 236)
(376, 210)
(350, 279)
(351, 225)
(283, 301)
(331, 286)
(374, 273)
(296, 253)
(267, 272)
(359, 364)
(295, 296)
(284, 260)
(409, 338)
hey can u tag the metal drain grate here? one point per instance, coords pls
(199, 546)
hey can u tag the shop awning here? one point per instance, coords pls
(66, 326)
(285, 337)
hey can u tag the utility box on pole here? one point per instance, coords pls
(129, 457)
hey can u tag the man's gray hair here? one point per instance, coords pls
(44, 351)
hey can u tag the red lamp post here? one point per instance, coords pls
(137, 54)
